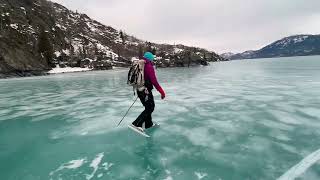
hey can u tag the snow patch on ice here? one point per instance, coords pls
(74, 164)
(169, 177)
(107, 166)
(199, 136)
(311, 111)
(288, 148)
(200, 175)
(95, 164)
(258, 144)
(285, 117)
(277, 125)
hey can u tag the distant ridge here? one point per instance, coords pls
(296, 45)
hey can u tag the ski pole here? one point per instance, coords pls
(128, 111)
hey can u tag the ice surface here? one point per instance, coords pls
(231, 120)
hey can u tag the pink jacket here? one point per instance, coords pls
(150, 75)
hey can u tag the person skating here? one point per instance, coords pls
(144, 120)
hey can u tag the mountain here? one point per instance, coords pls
(227, 55)
(297, 45)
(38, 35)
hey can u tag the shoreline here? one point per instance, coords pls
(67, 70)
(54, 71)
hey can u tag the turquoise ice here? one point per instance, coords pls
(251, 119)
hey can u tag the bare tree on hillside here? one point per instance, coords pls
(45, 47)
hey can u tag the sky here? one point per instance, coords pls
(218, 25)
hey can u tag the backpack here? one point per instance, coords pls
(136, 75)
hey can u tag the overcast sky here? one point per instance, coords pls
(219, 25)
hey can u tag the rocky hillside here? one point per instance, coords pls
(298, 45)
(37, 35)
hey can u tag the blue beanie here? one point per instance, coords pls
(149, 56)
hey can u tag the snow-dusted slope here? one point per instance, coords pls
(37, 35)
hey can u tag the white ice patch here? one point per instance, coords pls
(288, 148)
(258, 144)
(84, 133)
(200, 175)
(74, 164)
(107, 166)
(282, 137)
(311, 111)
(169, 177)
(277, 125)
(95, 164)
(285, 117)
(301, 167)
(198, 136)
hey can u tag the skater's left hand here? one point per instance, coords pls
(163, 95)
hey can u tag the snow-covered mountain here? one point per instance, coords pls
(36, 35)
(297, 45)
(227, 55)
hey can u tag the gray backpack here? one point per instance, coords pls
(136, 75)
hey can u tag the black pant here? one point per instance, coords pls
(147, 100)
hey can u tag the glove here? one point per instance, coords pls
(163, 94)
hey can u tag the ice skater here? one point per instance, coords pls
(144, 120)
